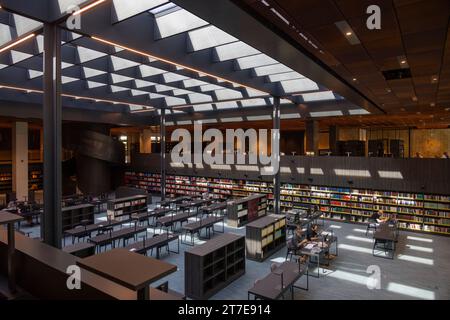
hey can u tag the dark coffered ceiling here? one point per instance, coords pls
(413, 31)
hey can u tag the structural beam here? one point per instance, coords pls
(276, 177)
(163, 153)
(51, 231)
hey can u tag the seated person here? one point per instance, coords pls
(377, 217)
(298, 241)
(312, 232)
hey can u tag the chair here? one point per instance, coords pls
(80, 236)
(166, 245)
(372, 225)
(291, 250)
(164, 287)
(274, 266)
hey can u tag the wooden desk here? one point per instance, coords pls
(156, 242)
(211, 209)
(129, 269)
(276, 283)
(197, 226)
(144, 216)
(170, 221)
(88, 229)
(81, 250)
(195, 204)
(10, 219)
(115, 235)
(387, 236)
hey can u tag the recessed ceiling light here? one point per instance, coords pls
(434, 78)
(348, 34)
(432, 104)
(403, 62)
(354, 79)
(414, 98)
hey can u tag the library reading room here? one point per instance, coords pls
(224, 150)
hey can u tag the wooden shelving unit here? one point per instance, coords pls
(213, 265)
(265, 236)
(416, 211)
(125, 206)
(247, 209)
(35, 176)
(74, 215)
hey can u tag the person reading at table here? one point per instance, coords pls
(377, 217)
(298, 241)
(312, 232)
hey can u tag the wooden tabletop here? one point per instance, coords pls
(270, 286)
(6, 217)
(78, 247)
(129, 269)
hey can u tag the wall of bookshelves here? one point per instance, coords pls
(416, 211)
(35, 177)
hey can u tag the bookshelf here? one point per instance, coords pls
(5, 178)
(213, 265)
(429, 213)
(74, 215)
(265, 236)
(247, 209)
(35, 176)
(126, 206)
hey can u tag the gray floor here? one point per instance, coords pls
(420, 270)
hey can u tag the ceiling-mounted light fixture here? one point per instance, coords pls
(403, 62)
(348, 32)
(72, 96)
(86, 8)
(17, 42)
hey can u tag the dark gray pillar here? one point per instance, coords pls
(51, 226)
(312, 136)
(276, 177)
(163, 153)
(333, 139)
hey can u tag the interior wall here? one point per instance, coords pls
(430, 142)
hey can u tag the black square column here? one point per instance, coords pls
(51, 226)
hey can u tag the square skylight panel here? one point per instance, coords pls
(176, 22)
(172, 77)
(203, 107)
(253, 103)
(226, 94)
(285, 76)
(299, 85)
(318, 96)
(272, 69)
(326, 114)
(234, 50)
(208, 37)
(258, 60)
(227, 105)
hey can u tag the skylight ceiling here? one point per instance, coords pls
(103, 71)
